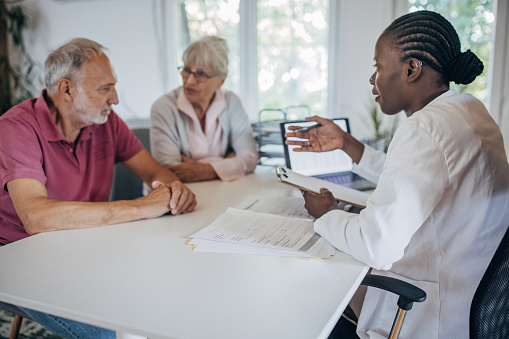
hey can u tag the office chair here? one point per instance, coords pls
(18, 318)
(489, 312)
(408, 294)
(16, 326)
(126, 185)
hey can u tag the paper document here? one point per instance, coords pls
(250, 231)
(340, 193)
(284, 206)
(260, 229)
(203, 245)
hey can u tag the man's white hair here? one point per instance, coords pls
(67, 61)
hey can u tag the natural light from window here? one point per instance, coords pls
(474, 21)
(293, 54)
(291, 49)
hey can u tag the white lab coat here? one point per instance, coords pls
(435, 219)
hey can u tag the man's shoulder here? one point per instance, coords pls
(23, 111)
(22, 114)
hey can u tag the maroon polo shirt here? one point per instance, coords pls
(31, 146)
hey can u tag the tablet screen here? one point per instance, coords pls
(312, 163)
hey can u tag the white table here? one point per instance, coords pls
(141, 278)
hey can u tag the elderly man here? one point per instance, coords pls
(57, 155)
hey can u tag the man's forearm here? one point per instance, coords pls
(61, 215)
(38, 213)
(163, 175)
(149, 170)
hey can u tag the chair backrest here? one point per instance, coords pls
(126, 185)
(489, 313)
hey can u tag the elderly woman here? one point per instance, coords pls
(199, 131)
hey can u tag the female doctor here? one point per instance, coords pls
(440, 207)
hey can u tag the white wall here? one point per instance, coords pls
(127, 29)
(361, 23)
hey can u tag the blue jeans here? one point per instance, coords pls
(68, 329)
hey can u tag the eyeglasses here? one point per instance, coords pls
(199, 76)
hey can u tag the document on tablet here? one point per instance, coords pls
(312, 184)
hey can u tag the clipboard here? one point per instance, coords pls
(311, 184)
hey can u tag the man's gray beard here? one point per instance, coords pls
(82, 107)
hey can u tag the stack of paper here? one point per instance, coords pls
(264, 225)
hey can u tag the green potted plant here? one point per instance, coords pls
(381, 136)
(18, 71)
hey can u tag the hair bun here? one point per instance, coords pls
(465, 68)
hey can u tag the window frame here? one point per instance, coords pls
(498, 82)
(248, 87)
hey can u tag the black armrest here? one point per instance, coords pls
(408, 293)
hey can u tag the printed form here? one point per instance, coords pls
(249, 230)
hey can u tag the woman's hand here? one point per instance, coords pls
(319, 204)
(190, 170)
(327, 137)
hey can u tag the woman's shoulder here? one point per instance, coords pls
(453, 108)
(230, 96)
(167, 100)
(451, 120)
(233, 103)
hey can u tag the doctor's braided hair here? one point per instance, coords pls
(432, 39)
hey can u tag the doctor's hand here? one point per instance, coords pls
(319, 204)
(190, 170)
(328, 137)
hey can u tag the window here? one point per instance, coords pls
(221, 18)
(291, 49)
(293, 54)
(474, 21)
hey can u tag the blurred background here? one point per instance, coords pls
(283, 53)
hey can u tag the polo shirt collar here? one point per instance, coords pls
(48, 125)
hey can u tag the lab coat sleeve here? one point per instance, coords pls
(371, 164)
(410, 186)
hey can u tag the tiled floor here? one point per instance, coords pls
(29, 329)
